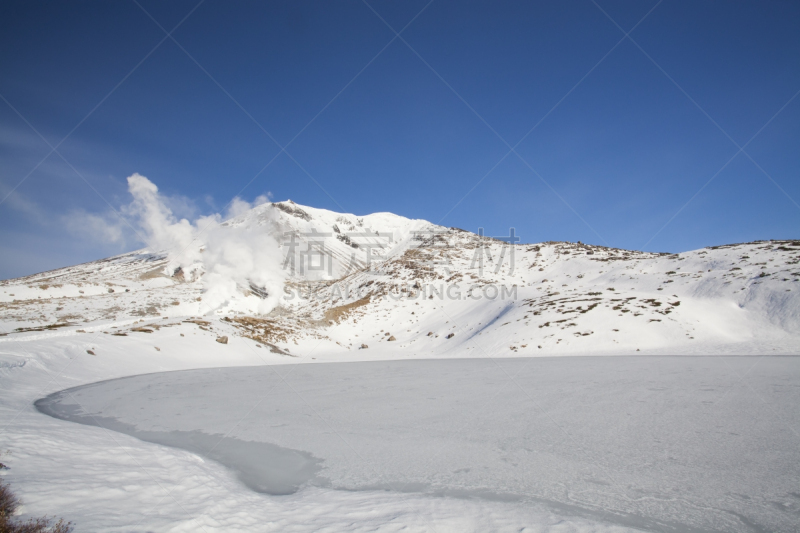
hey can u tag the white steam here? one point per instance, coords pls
(231, 259)
(158, 227)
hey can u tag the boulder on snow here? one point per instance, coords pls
(391, 338)
(222, 340)
(364, 346)
(450, 336)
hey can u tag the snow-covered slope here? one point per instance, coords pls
(423, 291)
(352, 281)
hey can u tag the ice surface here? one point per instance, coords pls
(262, 466)
(656, 443)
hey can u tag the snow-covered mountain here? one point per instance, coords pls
(413, 288)
(283, 283)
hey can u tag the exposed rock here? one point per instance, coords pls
(450, 336)
(222, 340)
(261, 292)
(198, 322)
(391, 338)
(150, 310)
(275, 349)
(291, 208)
(364, 346)
(45, 328)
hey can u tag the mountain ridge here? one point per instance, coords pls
(347, 281)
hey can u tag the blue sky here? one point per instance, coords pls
(616, 139)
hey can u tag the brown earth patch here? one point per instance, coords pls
(339, 313)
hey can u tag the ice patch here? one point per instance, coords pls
(658, 443)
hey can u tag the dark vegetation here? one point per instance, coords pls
(9, 503)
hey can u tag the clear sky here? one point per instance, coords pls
(542, 116)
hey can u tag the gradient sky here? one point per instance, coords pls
(627, 142)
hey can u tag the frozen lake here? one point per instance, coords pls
(658, 443)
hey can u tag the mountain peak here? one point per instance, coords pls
(305, 274)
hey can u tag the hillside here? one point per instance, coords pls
(411, 288)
